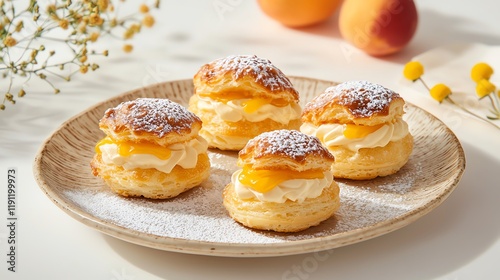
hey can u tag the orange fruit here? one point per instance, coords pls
(298, 13)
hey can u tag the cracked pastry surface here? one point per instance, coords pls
(151, 149)
(240, 96)
(284, 184)
(361, 124)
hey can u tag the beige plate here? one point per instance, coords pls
(196, 222)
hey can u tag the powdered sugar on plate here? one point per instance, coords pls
(197, 222)
(199, 214)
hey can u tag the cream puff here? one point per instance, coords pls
(361, 124)
(285, 183)
(151, 149)
(240, 97)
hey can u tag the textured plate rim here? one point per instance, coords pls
(242, 249)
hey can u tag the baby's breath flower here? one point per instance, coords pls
(143, 8)
(148, 20)
(481, 71)
(84, 69)
(484, 88)
(19, 26)
(128, 34)
(413, 70)
(82, 27)
(64, 23)
(9, 41)
(84, 23)
(51, 9)
(103, 4)
(135, 28)
(94, 36)
(95, 19)
(439, 92)
(128, 48)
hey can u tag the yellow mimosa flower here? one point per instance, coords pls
(481, 71)
(440, 91)
(413, 70)
(484, 88)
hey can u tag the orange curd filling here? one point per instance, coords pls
(265, 180)
(249, 106)
(353, 131)
(126, 148)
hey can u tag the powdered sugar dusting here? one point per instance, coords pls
(199, 214)
(362, 98)
(261, 69)
(291, 143)
(152, 115)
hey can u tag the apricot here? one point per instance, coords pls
(378, 27)
(299, 13)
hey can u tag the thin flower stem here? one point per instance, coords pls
(495, 108)
(497, 102)
(425, 85)
(470, 112)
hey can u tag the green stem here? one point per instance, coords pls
(470, 112)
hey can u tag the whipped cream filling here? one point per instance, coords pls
(182, 154)
(232, 111)
(333, 135)
(294, 190)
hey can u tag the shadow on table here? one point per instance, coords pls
(449, 237)
(434, 30)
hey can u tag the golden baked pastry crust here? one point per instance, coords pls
(354, 102)
(151, 183)
(257, 77)
(290, 216)
(154, 120)
(149, 120)
(361, 103)
(285, 150)
(240, 77)
(369, 163)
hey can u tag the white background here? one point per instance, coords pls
(458, 240)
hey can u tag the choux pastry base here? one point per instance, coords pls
(151, 183)
(369, 163)
(282, 217)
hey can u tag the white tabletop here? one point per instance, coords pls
(457, 240)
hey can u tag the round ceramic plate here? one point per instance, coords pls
(196, 221)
